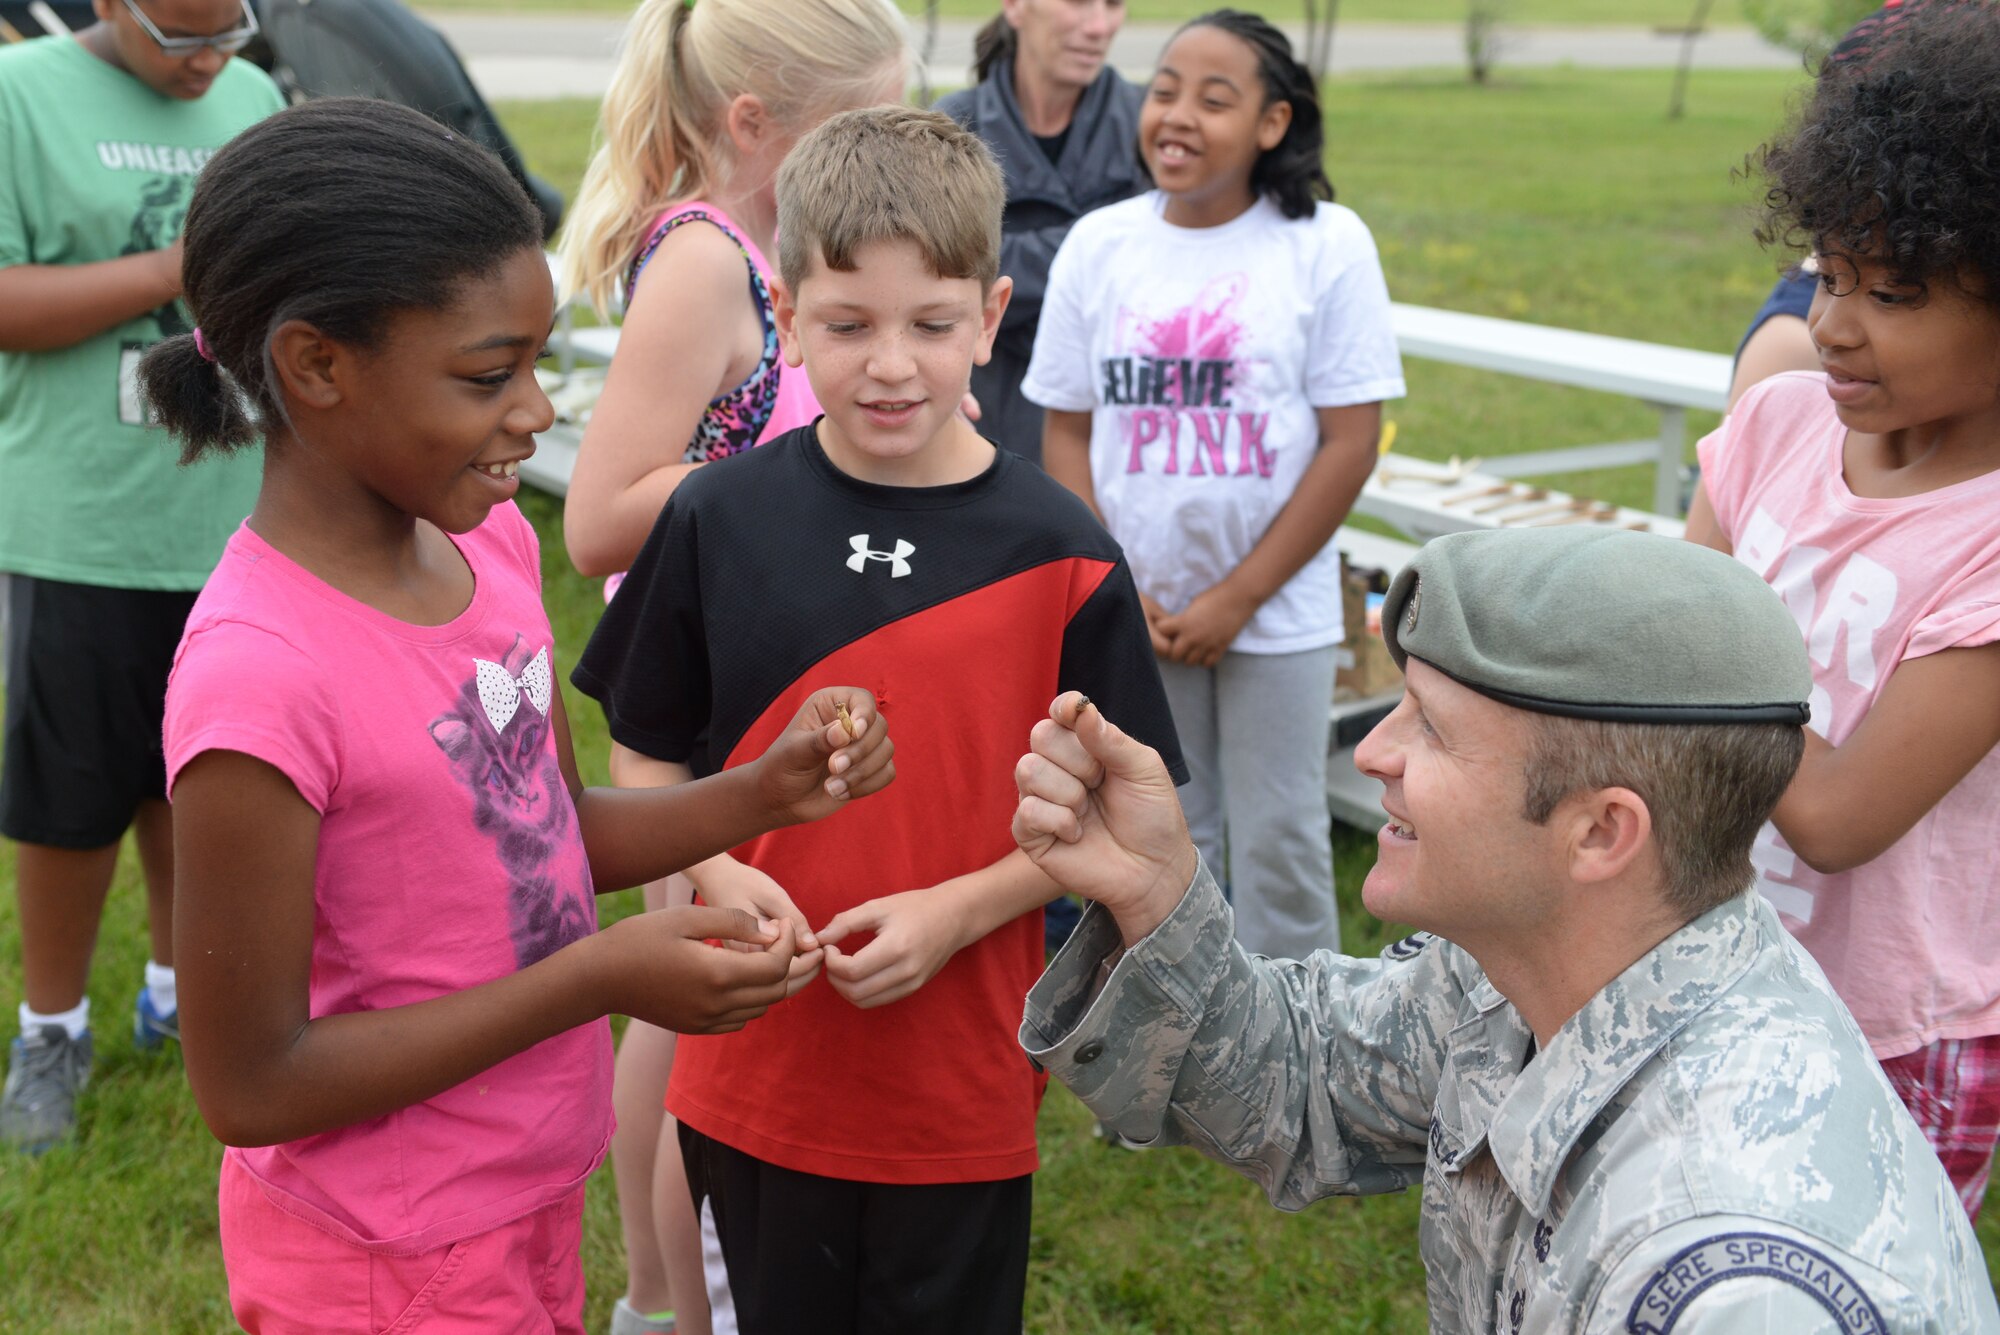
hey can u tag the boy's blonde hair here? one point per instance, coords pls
(891, 174)
(661, 134)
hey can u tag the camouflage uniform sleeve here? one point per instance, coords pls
(1311, 1078)
(1742, 1275)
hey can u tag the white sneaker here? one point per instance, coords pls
(629, 1320)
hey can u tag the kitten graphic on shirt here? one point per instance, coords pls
(496, 738)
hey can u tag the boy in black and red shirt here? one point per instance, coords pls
(866, 1147)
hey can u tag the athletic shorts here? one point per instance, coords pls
(811, 1255)
(86, 693)
(1792, 295)
(288, 1277)
(1952, 1088)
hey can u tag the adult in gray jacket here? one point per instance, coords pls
(1065, 128)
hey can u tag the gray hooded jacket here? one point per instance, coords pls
(1099, 164)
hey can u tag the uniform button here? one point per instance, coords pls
(1089, 1052)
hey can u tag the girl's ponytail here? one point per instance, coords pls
(661, 134)
(192, 398)
(650, 152)
(1293, 173)
(993, 43)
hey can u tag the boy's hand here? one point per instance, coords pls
(1203, 630)
(1162, 644)
(815, 765)
(725, 883)
(1099, 814)
(658, 968)
(915, 933)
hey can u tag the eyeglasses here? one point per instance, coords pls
(227, 43)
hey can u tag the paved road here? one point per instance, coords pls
(539, 56)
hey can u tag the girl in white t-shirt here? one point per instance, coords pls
(1213, 356)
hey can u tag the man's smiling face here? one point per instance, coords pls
(1459, 856)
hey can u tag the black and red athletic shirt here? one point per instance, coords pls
(965, 609)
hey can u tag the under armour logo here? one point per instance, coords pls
(899, 564)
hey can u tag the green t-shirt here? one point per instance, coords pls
(95, 165)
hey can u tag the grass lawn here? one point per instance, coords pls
(1642, 13)
(1564, 197)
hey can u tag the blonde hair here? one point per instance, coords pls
(660, 134)
(891, 173)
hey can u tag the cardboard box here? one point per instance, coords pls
(1365, 667)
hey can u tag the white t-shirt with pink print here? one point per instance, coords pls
(1911, 940)
(1201, 354)
(449, 855)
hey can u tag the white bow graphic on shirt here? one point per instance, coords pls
(500, 690)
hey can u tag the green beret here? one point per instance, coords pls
(1602, 624)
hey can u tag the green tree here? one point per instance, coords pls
(1482, 37)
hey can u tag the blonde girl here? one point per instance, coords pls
(677, 214)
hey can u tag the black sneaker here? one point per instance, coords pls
(45, 1072)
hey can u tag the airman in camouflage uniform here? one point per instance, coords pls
(1700, 1142)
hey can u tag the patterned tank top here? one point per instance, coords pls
(735, 419)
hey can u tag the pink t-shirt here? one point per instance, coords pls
(1911, 940)
(449, 855)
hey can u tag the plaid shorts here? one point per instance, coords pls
(1952, 1088)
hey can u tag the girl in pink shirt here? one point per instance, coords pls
(1868, 495)
(393, 992)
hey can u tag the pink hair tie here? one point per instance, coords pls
(201, 346)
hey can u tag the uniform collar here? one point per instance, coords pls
(1537, 1122)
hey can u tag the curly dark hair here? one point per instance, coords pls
(1293, 173)
(1896, 156)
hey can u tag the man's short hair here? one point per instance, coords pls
(1709, 787)
(890, 174)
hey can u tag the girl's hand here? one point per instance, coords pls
(915, 933)
(1155, 614)
(658, 968)
(725, 883)
(815, 765)
(1205, 629)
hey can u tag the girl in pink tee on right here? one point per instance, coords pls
(1867, 496)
